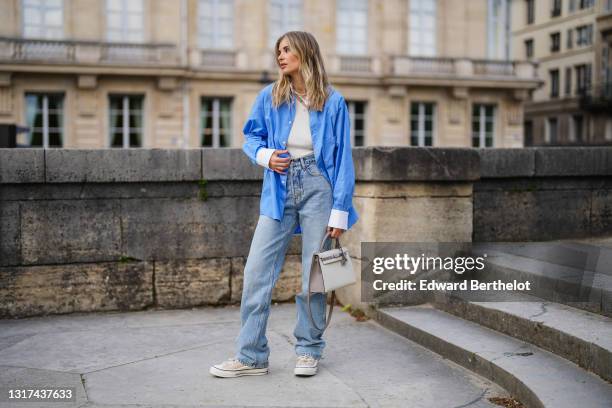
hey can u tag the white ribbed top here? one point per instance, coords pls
(299, 142)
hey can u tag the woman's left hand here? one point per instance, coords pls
(335, 232)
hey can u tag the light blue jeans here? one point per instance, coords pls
(309, 201)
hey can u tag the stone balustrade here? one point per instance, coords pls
(20, 50)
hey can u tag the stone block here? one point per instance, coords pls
(22, 165)
(10, 232)
(531, 215)
(192, 282)
(601, 212)
(416, 164)
(69, 231)
(87, 287)
(229, 164)
(122, 165)
(418, 219)
(499, 162)
(573, 161)
(165, 229)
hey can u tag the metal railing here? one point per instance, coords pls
(596, 98)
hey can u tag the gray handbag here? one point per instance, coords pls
(329, 270)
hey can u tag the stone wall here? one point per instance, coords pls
(538, 194)
(91, 230)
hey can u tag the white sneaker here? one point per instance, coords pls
(306, 365)
(234, 368)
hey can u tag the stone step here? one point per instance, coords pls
(535, 376)
(577, 335)
(595, 255)
(563, 281)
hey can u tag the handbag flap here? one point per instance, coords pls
(333, 255)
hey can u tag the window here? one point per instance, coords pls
(568, 81)
(576, 128)
(555, 42)
(608, 131)
(285, 15)
(570, 39)
(530, 11)
(556, 8)
(606, 65)
(352, 27)
(498, 29)
(554, 83)
(422, 123)
(583, 77)
(608, 6)
(125, 20)
(357, 112)
(45, 119)
(43, 18)
(126, 120)
(584, 35)
(586, 3)
(422, 27)
(483, 125)
(529, 48)
(216, 122)
(216, 24)
(528, 129)
(551, 131)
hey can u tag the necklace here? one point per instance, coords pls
(302, 99)
(301, 95)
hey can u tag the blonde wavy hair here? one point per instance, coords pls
(306, 48)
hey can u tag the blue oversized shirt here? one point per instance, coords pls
(268, 128)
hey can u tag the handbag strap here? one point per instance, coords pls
(329, 315)
(333, 295)
(325, 238)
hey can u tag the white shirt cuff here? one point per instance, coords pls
(263, 156)
(338, 219)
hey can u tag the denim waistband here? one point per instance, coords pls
(303, 161)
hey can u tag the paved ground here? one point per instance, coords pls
(161, 359)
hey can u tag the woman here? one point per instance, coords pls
(299, 130)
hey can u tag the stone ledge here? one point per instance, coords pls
(122, 165)
(573, 161)
(159, 165)
(229, 164)
(374, 163)
(22, 166)
(415, 163)
(507, 162)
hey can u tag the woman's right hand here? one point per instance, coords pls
(279, 164)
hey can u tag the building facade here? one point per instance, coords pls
(184, 73)
(570, 40)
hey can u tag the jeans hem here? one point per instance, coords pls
(313, 355)
(251, 364)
